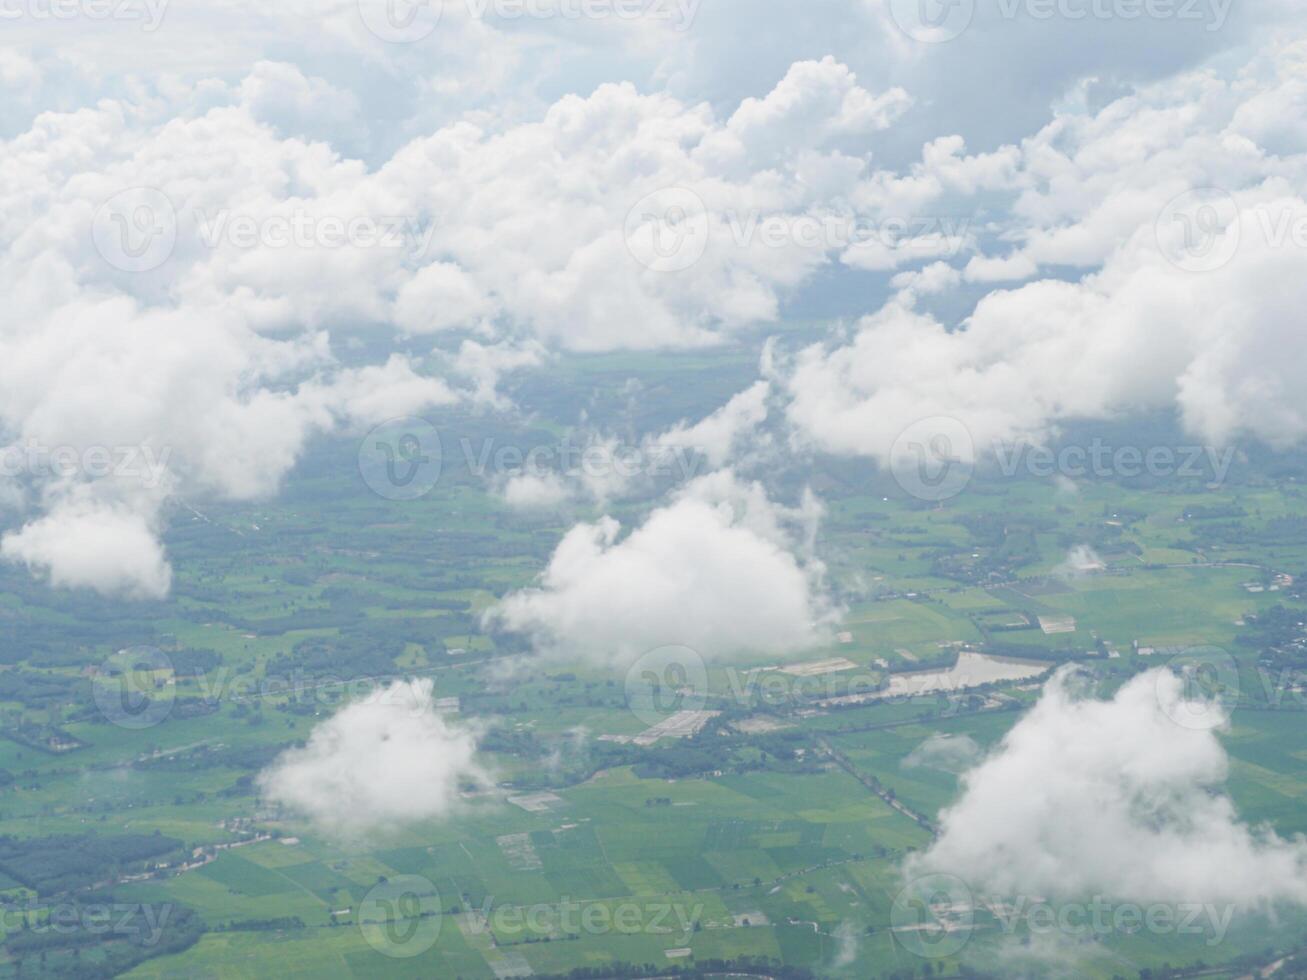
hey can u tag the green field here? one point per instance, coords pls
(771, 834)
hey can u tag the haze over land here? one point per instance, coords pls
(820, 483)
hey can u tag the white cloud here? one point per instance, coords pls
(536, 491)
(1141, 334)
(1080, 560)
(934, 278)
(223, 354)
(720, 435)
(509, 214)
(1114, 798)
(386, 761)
(438, 297)
(607, 468)
(485, 364)
(948, 753)
(720, 569)
(377, 393)
(81, 543)
(814, 104)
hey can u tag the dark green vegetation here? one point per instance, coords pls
(770, 841)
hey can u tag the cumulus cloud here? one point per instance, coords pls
(949, 753)
(376, 393)
(721, 569)
(1113, 798)
(380, 763)
(82, 543)
(486, 364)
(606, 468)
(1080, 560)
(522, 220)
(720, 435)
(268, 243)
(1195, 318)
(1141, 334)
(536, 491)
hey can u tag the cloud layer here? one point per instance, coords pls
(721, 569)
(377, 764)
(1086, 797)
(1194, 237)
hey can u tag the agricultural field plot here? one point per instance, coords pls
(772, 817)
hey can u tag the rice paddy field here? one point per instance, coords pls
(772, 838)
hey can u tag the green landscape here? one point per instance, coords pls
(767, 841)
